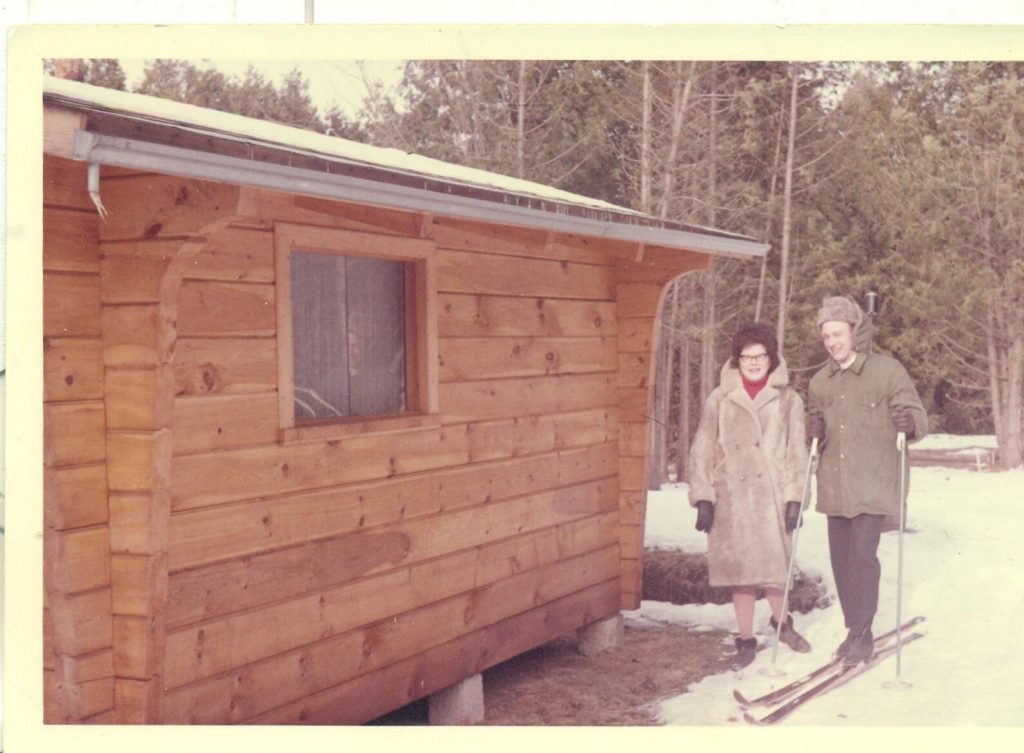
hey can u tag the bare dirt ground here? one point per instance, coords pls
(556, 685)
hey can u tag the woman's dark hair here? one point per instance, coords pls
(755, 333)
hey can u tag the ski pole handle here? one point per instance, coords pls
(901, 440)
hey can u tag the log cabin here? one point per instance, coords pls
(328, 428)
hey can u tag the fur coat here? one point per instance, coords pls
(749, 458)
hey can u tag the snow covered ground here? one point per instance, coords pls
(962, 571)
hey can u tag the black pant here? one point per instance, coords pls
(853, 548)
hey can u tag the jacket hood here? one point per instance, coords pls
(863, 335)
(730, 378)
(845, 309)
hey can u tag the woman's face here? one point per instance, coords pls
(754, 362)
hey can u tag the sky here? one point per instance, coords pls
(962, 572)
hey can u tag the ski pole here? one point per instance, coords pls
(870, 308)
(792, 554)
(901, 444)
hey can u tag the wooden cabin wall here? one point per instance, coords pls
(78, 658)
(332, 580)
(235, 577)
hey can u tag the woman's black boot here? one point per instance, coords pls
(746, 650)
(789, 636)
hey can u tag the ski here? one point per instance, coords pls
(842, 676)
(780, 694)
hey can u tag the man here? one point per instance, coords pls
(858, 403)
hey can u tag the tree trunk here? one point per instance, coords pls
(708, 359)
(994, 376)
(680, 101)
(1004, 334)
(712, 149)
(521, 123)
(677, 335)
(1011, 447)
(685, 385)
(771, 208)
(645, 141)
(787, 211)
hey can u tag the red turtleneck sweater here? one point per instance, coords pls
(753, 388)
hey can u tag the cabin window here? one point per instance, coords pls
(348, 335)
(355, 331)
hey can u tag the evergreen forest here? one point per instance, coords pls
(905, 179)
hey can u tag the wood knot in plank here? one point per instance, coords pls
(209, 377)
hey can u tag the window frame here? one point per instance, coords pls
(421, 351)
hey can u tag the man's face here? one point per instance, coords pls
(838, 340)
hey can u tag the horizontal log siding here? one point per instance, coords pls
(212, 648)
(216, 533)
(78, 636)
(464, 315)
(371, 694)
(352, 558)
(359, 565)
(640, 283)
(386, 681)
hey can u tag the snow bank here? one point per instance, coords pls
(962, 563)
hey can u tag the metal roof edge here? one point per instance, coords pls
(503, 203)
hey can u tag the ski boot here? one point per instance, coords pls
(860, 647)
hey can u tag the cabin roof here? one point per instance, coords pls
(135, 130)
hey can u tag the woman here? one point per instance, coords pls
(747, 466)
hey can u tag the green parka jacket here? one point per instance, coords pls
(859, 467)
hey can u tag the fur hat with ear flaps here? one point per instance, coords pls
(842, 308)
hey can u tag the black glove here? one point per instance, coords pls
(792, 516)
(903, 421)
(705, 515)
(816, 428)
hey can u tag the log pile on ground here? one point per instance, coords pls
(974, 458)
(682, 578)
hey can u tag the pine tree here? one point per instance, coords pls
(964, 156)
(105, 72)
(252, 95)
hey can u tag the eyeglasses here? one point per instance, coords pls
(757, 358)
